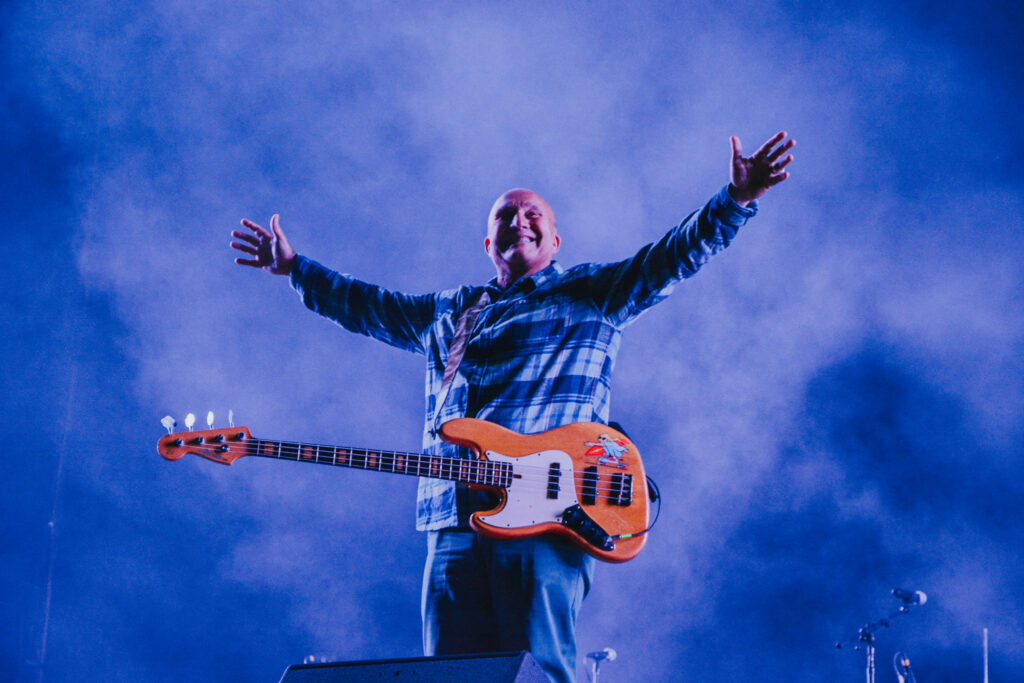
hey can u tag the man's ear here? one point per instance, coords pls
(558, 243)
(487, 245)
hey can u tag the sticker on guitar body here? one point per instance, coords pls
(609, 452)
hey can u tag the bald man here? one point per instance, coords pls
(531, 350)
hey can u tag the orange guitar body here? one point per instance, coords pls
(614, 514)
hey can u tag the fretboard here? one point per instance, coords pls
(473, 471)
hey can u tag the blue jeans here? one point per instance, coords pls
(482, 595)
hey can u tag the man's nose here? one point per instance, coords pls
(516, 221)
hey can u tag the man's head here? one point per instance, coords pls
(521, 235)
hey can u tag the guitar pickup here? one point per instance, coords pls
(589, 493)
(621, 491)
(577, 520)
(554, 475)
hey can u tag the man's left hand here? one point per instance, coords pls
(750, 177)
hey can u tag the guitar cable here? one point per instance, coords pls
(654, 495)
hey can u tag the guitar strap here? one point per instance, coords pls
(457, 350)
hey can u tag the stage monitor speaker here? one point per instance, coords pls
(500, 667)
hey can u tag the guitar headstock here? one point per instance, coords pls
(219, 445)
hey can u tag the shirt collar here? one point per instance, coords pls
(526, 284)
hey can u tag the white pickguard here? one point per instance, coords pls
(527, 501)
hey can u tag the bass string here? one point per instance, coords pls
(536, 480)
(294, 451)
(394, 456)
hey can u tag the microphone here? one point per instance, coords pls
(606, 653)
(910, 597)
(901, 663)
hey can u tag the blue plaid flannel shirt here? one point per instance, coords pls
(541, 353)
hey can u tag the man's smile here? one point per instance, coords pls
(513, 240)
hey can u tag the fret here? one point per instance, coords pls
(358, 458)
(372, 461)
(289, 450)
(399, 464)
(305, 452)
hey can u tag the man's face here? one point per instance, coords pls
(521, 235)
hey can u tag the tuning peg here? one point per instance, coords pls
(168, 423)
(190, 420)
(209, 420)
(231, 418)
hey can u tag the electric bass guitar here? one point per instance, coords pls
(583, 481)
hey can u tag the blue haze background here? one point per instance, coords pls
(832, 408)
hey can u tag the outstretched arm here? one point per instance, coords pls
(750, 177)
(392, 317)
(623, 290)
(269, 247)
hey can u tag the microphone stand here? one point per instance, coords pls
(595, 662)
(865, 639)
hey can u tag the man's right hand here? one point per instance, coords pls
(270, 248)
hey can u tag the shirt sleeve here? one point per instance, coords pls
(398, 319)
(625, 289)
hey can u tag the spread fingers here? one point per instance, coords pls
(245, 236)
